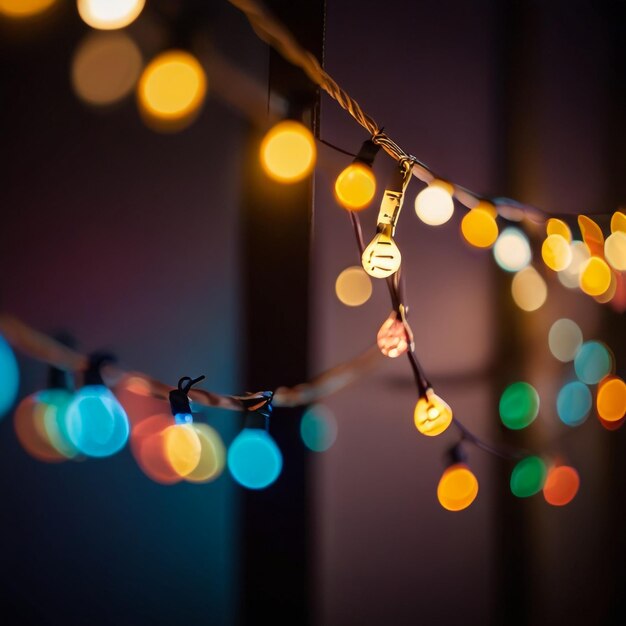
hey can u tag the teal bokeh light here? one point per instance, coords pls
(592, 362)
(9, 377)
(318, 428)
(254, 459)
(96, 422)
(55, 404)
(574, 403)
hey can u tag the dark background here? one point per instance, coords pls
(143, 243)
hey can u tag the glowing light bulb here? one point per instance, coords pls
(529, 289)
(574, 403)
(9, 377)
(556, 252)
(479, 228)
(318, 428)
(570, 276)
(254, 459)
(288, 152)
(528, 477)
(512, 250)
(97, 425)
(182, 448)
(432, 415)
(105, 68)
(558, 227)
(212, 455)
(353, 286)
(24, 8)
(615, 250)
(561, 486)
(564, 339)
(171, 90)
(457, 488)
(434, 204)
(392, 338)
(611, 399)
(618, 222)
(519, 405)
(382, 257)
(355, 186)
(109, 14)
(592, 362)
(54, 404)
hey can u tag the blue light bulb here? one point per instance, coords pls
(96, 422)
(9, 377)
(254, 459)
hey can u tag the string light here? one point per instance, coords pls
(353, 286)
(615, 250)
(432, 415)
(457, 488)
(555, 226)
(109, 14)
(355, 186)
(479, 228)
(512, 250)
(595, 276)
(561, 486)
(528, 477)
(9, 375)
(212, 455)
(434, 204)
(171, 90)
(570, 276)
(392, 339)
(254, 459)
(519, 405)
(556, 252)
(611, 399)
(288, 152)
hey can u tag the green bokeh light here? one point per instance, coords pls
(318, 428)
(519, 405)
(528, 477)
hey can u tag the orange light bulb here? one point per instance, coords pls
(457, 488)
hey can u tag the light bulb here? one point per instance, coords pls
(611, 399)
(561, 485)
(254, 459)
(9, 377)
(171, 90)
(382, 257)
(97, 425)
(392, 338)
(355, 186)
(615, 250)
(434, 204)
(24, 8)
(479, 227)
(512, 250)
(353, 286)
(457, 488)
(109, 14)
(288, 152)
(432, 415)
(528, 477)
(182, 447)
(556, 252)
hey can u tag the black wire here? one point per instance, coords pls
(337, 148)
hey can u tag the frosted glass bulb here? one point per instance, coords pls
(432, 415)
(434, 204)
(382, 257)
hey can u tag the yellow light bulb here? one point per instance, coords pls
(618, 222)
(434, 204)
(182, 448)
(595, 277)
(171, 90)
(615, 250)
(24, 8)
(479, 228)
(355, 186)
(556, 252)
(457, 488)
(109, 14)
(559, 227)
(288, 152)
(432, 415)
(382, 257)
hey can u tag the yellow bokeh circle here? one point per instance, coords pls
(109, 14)
(288, 152)
(182, 448)
(355, 186)
(353, 286)
(615, 250)
(595, 277)
(479, 228)
(171, 90)
(611, 399)
(529, 289)
(24, 8)
(457, 488)
(556, 252)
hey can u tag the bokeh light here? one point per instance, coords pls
(54, 404)
(570, 276)
(96, 422)
(479, 228)
(105, 68)
(146, 444)
(618, 222)
(574, 403)
(593, 362)
(109, 14)
(30, 429)
(171, 90)
(432, 415)
(212, 455)
(457, 488)
(288, 152)
(9, 377)
(254, 459)
(382, 257)
(558, 227)
(528, 477)
(595, 276)
(392, 339)
(561, 485)
(353, 286)
(615, 250)
(529, 289)
(564, 339)
(556, 252)
(24, 8)
(355, 186)
(434, 204)
(512, 250)
(611, 399)
(592, 235)
(182, 448)
(519, 405)
(318, 428)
